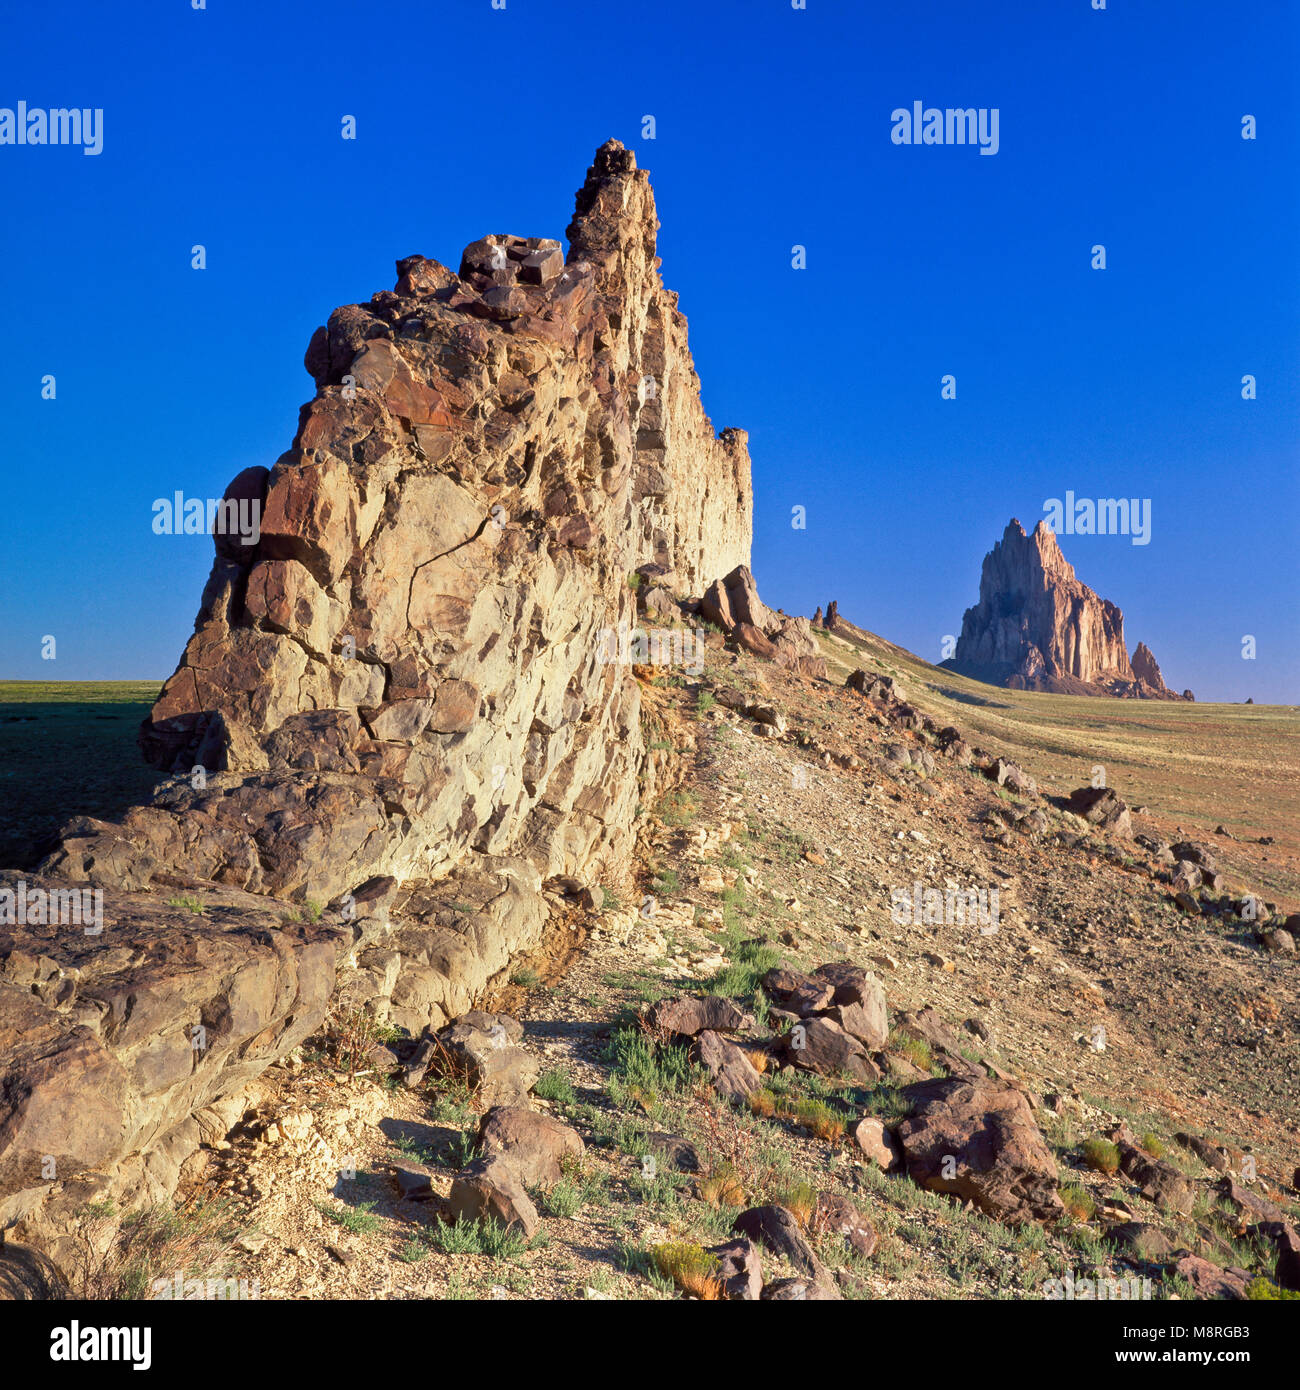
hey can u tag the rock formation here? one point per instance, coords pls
(395, 711)
(732, 604)
(1146, 672)
(1037, 627)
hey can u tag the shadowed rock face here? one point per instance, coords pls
(1037, 627)
(394, 706)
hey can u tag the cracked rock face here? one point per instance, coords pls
(1038, 627)
(406, 667)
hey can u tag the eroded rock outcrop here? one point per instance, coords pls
(489, 454)
(1038, 627)
(396, 711)
(733, 606)
(1146, 672)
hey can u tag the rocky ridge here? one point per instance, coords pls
(766, 1086)
(397, 738)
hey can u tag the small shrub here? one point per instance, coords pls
(450, 1102)
(818, 1117)
(638, 1062)
(916, 1050)
(1153, 1145)
(678, 808)
(800, 1201)
(690, 1267)
(555, 1086)
(1262, 1289)
(888, 1103)
(563, 1199)
(722, 1187)
(666, 882)
(466, 1237)
(1077, 1203)
(122, 1262)
(189, 902)
(351, 1035)
(762, 1104)
(750, 961)
(360, 1220)
(1102, 1156)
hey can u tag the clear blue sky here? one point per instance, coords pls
(1120, 127)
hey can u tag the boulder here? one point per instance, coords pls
(489, 1190)
(821, 1045)
(1216, 1156)
(1283, 1236)
(1209, 1281)
(689, 1016)
(877, 1143)
(533, 1144)
(732, 1073)
(1101, 806)
(1196, 852)
(733, 604)
(414, 1180)
(836, 1215)
(1008, 774)
(775, 1229)
(796, 992)
(1160, 1182)
(858, 1003)
(733, 600)
(1141, 1240)
(1247, 1203)
(1186, 877)
(978, 1141)
(501, 1073)
(673, 1151)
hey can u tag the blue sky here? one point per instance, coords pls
(1120, 127)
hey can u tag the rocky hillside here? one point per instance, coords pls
(878, 1018)
(1037, 627)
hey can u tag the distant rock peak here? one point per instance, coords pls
(1037, 626)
